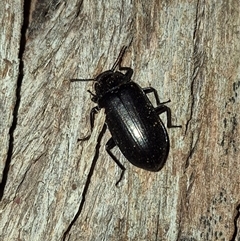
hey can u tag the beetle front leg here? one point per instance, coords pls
(118, 62)
(93, 112)
(110, 145)
(129, 72)
(162, 108)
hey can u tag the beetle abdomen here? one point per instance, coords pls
(135, 127)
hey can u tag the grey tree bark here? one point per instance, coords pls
(54, 187)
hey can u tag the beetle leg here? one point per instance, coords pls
(110, 145)
(93, 112)
(148, 90)
(129, 72)
(162, 108)
(118, 62)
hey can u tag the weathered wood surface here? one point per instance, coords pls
(189, 51)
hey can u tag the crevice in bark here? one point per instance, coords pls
(196, 57)
(197, 64)
(198, 60)
(158, 224)
(87, 182)
(193, 146)
(234, 236)
(194, 74)
(79, 9)
(26, 13)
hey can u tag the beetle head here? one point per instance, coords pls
(108, 81)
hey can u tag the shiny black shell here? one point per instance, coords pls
(135, 126)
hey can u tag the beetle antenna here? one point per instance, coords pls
(119, 58)
(74, 80)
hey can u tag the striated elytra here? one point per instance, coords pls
(131, 118)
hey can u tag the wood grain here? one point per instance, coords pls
(59, 188)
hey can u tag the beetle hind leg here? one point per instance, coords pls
(110, 145)
(162, 108)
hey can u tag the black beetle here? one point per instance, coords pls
(132, 120)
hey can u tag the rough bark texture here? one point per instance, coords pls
(56, 188)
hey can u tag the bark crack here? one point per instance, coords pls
(193, 146)
(198, 61)
(234, 236)
(158, 224)
(198, 56)
(26, 13)
(85, 190)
